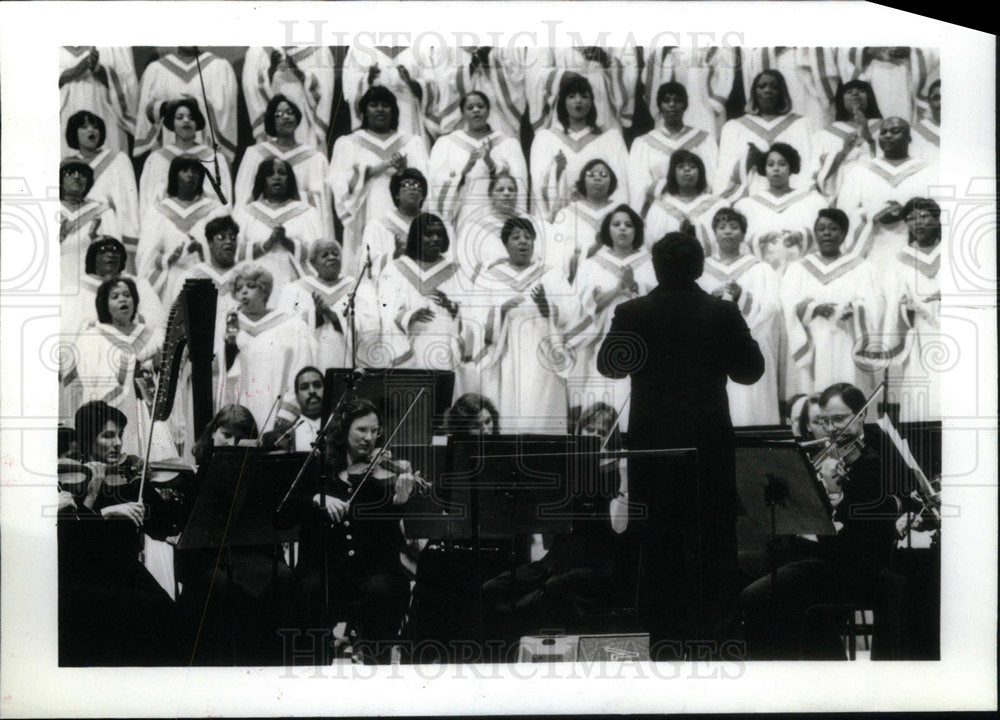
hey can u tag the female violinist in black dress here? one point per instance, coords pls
(111, 610)
(349, 525)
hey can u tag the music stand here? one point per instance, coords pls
(778, 487)
(234, 507)
(392, 391)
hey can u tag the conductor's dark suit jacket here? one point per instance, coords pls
(680, 345)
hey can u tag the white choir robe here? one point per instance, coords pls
(80, 310)
(333, 347)
(167, 225)
(403, 288)
(526, 351)
(811, 74)
(312, 94)
(827, 143)
(822, 351)
(156, 171)
(572, 236)
(171, 78)
(551, 193)
(732, 172)
(303, 226)
(359, 202)
(113, 100)
(910, 336)
(668, 212)
(79, 225)
(385, 239)
(103, 368)
(357, 65)
(926, 143)
(649, 159)
(450, 79)
(271, 351)
(453, 202)
(794, 212)
(867, 188)
(477, 245)
(760, 306)
(901, 86)
(706, 73)
(600, 273)
(114, 185)
(309, 166)
(613, 86)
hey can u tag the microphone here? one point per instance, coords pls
(368, 262)
(289, 431)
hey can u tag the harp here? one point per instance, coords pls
(190, 326)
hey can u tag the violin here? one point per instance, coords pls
(380, 465)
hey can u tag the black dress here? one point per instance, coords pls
(111, 610)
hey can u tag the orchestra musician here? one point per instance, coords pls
(841, 568)
(350, 536)
(111, 610)
(680, 345)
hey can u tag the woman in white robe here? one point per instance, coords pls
(263, 348)
(362, 164)
(173, 229)
(530, 307)
(114, 178)
(649, 157)
(395, 69)
(912, 290)
(421, 322)
(610, 72)
(780, 218)
(900, 76)
(848, 139)
(572, 235)
(107, 358)
(559, 153)
(100, 80)
(184, 119)
(769, 119)
(681, 202)
(321, 298)
(302, 74)
(831, 304)
(811, 73)
(106, 258)
(706, 73)
(462, 162)
(281, 119)
(176, 75)
(753, 285)
(620, 270)
(385, 239)
(279, 228)
(81, 221)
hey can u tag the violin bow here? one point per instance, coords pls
(381, 451)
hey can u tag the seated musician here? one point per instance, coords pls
(208, 604)
(837, 569)
(350, 538)
(300, 413)
(111, 610)
(579, 572)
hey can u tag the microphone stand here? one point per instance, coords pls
(216, 179)
(367, 267)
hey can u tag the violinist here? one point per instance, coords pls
(111, 610)
(841, 568)
(350, 537)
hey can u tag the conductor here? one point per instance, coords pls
(680, 346)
